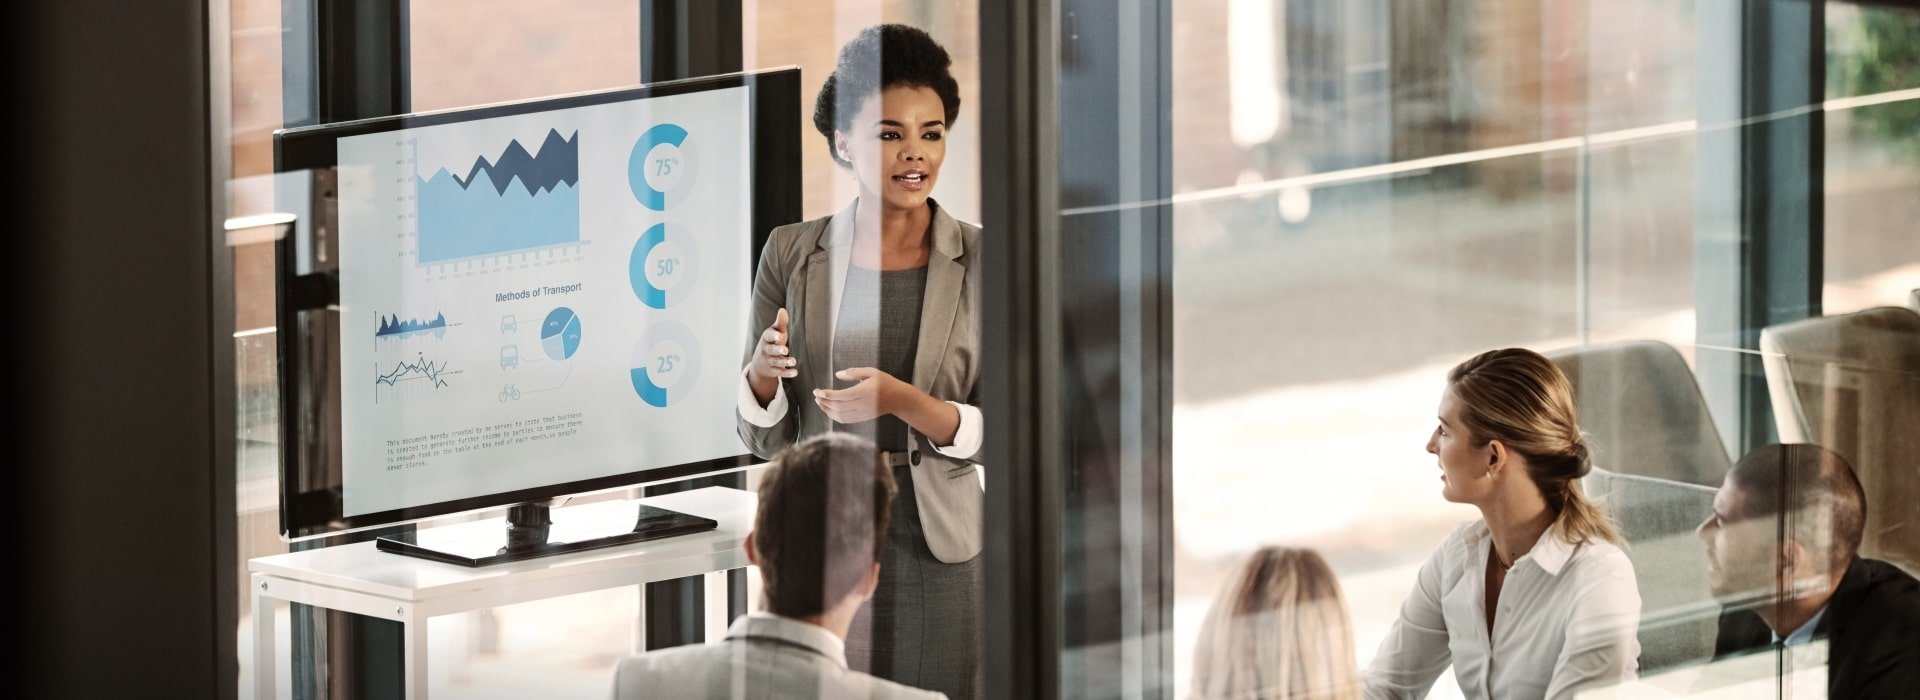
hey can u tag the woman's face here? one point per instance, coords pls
(1463, 466)
(896, 146)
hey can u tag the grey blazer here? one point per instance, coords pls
(802, 269)
(763, 656)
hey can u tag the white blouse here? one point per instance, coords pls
(1567, 622)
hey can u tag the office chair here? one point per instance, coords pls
(1679, 618)
(1851, 383)
(1643, 412)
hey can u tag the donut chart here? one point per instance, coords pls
(666, 364)
(560, 333)
(663, 265)
(663, 168)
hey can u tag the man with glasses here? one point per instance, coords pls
(1782, 553)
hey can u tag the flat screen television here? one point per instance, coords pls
(507, 304)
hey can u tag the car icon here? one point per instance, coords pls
(508, 324)
(509, 356)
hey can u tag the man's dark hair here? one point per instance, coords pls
(1815, 489)
(824, 507)
(883, 56)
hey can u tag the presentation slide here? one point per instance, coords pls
(543, 298)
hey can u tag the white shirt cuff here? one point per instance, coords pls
(769, 416)
(966, 438)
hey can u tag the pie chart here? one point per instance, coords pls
(560, 333)
(663, 265)
(663, 167)
(666, 364)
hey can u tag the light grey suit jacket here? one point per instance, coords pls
(763, 656)
(802, 269)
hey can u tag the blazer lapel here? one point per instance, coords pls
(826, 267)
(819, 322)
(1846, 597)
(946, 278)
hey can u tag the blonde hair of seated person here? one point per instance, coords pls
(1278, 629)
(1522, 399)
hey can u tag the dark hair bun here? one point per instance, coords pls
(880, 57)
(1582, 457)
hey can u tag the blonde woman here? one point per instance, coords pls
(1535, 599)
(1277, 630)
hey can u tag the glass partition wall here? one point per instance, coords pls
(1233, 250)
(1249, 239)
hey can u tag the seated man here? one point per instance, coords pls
(1781, 546)
(824, 506)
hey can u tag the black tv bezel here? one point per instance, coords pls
(774, 109)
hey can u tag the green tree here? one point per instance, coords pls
(1879, 53)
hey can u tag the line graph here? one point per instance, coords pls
(520, 201)
(408, 379)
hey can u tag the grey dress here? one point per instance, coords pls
(922, 627)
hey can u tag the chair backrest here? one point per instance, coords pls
(1678, 615)
(1851, 383)
(1913, 300)
(1643, 412)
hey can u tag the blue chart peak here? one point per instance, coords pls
(557, 164)
(521, 200)
(393, 326)
(420, 373)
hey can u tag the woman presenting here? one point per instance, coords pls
(867, 325)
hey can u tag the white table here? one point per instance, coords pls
(359, 579)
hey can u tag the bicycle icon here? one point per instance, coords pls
(509, 393)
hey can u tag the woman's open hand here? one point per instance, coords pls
(874, 394)
(771, 356)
